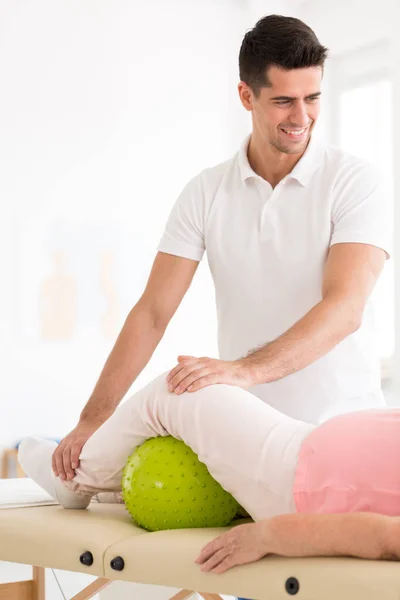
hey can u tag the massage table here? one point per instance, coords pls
(103, 541)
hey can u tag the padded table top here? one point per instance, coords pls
(51, 536)
(167, 558)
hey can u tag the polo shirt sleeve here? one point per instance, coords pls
(362, 210)
(184, 232)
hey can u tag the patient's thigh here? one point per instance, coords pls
(249, 447)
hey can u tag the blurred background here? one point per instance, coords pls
(107, 109)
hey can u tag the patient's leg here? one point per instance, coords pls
(250, 448)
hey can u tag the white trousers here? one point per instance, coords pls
(250, 448)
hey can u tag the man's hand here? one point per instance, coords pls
(192, 374)
(66, 456)
(240, 545)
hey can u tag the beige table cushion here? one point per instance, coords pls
(50, 536)
(167, 558)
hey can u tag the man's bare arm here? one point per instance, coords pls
(350, 275)
(351, 272)
(143, 329)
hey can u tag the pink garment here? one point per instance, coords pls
(351, 463)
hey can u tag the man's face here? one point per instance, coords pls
(285, 113)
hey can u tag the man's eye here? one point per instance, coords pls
(283, 102)
(313, 99)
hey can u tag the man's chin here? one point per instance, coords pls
(298, 149)
(294, 147)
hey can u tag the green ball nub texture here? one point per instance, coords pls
(165, 486)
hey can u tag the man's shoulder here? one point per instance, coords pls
(203, 187)
(211, 177)
(350, 175)
(342, 162)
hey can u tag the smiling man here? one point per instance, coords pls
(296, 233)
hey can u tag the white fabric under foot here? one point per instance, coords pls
(35, 458)
(109, 497)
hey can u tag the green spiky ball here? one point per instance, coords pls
(165, 486)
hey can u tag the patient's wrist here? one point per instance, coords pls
(269, 535)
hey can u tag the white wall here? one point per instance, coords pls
(259, 8)
(107, 109)
(349, 24)
(396, 162)
(352, 26)
(362, 38)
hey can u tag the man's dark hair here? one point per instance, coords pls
(284, 42)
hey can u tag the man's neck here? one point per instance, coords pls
(269, 163)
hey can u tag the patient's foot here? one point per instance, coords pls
(35, 456)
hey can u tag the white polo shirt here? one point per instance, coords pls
(266, 250)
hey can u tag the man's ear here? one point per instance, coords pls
(245, 95)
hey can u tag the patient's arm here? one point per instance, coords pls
(363, 535)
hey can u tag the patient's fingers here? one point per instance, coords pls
(218, 556)
(215, 560)
(224, 565)
(210, 549)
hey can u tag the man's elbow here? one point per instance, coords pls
(355, 321)
(350, 320)
(350, 314)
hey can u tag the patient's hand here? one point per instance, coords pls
(66, 456)
(240, 545)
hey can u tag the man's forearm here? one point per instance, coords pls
(318, 332)
(132, 351)
(363, 535)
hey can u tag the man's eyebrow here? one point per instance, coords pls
(315, 95)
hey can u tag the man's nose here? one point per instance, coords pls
(299, 115)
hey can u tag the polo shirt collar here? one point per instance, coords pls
(303, 170)
(244, 166)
